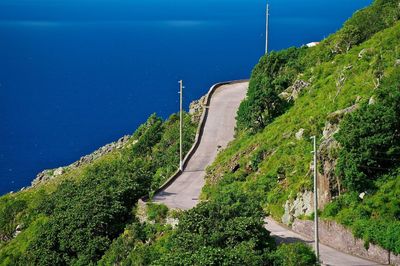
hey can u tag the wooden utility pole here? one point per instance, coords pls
(316, 237)
(180, 125)
(266, 30)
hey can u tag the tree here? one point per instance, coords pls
(370, 139)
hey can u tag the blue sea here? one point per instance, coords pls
(77, 74)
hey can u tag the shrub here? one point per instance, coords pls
(296, 254)
(273, 74)
(9, 208)
(157, 212)
(370, 139)
(221, 232)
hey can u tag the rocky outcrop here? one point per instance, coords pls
(329, 185)
(299, 134)
(397, 63)
(372, 100)
(196, 109)
(341, 79)
(366, 52)
(47, 175)
(4, 238)
(293, 92)
(18, 230)
(302, 205)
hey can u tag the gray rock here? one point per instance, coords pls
(336, 117)
(293, 92)
(365, 51)
(361, 53)
(302, 205)
(286, 135)
(42, 177)
(48, 175)
(172, 221)
(397, 63)
(196, 109)
(287, 217)
(58, 171)
(18, 230)
(371, 100)
(299, 134)
(330, 185)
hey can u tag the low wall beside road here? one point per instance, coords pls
(199, 134)
(338, 237)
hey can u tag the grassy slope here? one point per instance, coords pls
(310, 112)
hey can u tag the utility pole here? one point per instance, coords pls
(180, 125)
(316, 237)
(266, 30)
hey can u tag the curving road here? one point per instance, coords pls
(183, 193)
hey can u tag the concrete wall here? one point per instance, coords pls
(340, 238)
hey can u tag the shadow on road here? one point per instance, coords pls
(288, 240)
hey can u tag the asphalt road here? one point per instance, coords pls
(328, 255)
(184, 192)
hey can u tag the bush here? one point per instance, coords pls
(86, 216)
(297, 254)
(157, 212)
(221, 232)
(9, 208)
(86, 212)
(273, 74)
(370, 139)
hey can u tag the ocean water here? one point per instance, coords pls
(77, 74)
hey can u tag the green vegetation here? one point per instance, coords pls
(73, 220)
(139, 244)
(271, 76)
(370, 138)
(157, 212)
(368, 161)
(376, 217)
(223, 231)
(87, 215)
(297, 254)
(358, 63)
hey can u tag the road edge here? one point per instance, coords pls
(199, 134)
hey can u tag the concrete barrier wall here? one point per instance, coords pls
(340, 238)
(199, 135)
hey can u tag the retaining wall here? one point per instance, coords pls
(340, 238)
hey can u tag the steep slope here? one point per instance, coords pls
(345, 91)
(301, 92)
(293, 94)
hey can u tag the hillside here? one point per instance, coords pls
(345, 91)
(71, 217)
